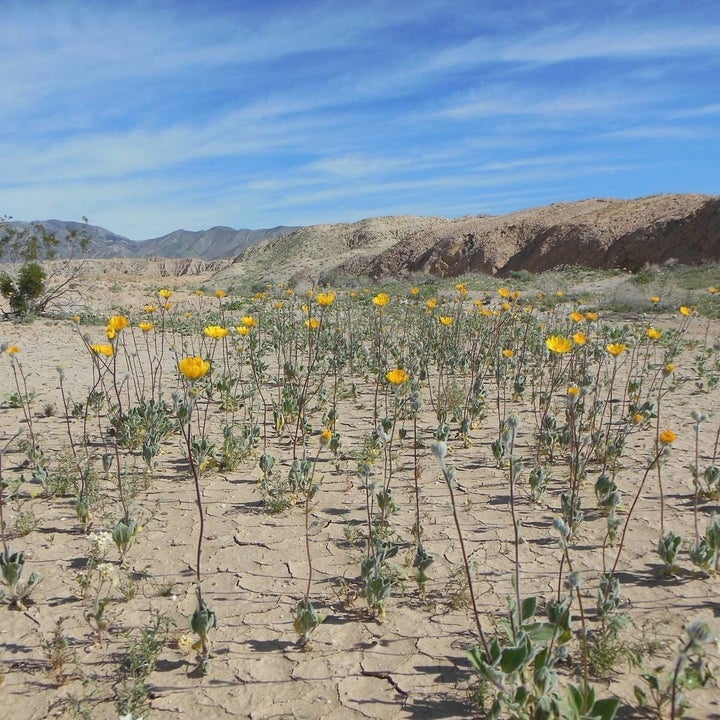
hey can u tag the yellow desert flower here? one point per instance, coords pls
(194, 367)
(558, 344)
(110, 333)
(431, 304)
(653, 333)
(616, 349)
(325, 299)
(187, 314)
(655, 299)
(504, 293)
(506, 306)
(573, 391)
(216, 332)
(668, 369)
(220, 294)
(146, 326)
(508, 353)
(118, 322)
(592, 316)
(668, 437)
(312, 323)
(164, 293)
(199, 292)
(560, 293)
(102, 349)
(397, 376)
(13, 350)
(166, 306)
(686, 311)
(325, 436)
(278, 304)
(637, 418)
(579, 338)
(516, 295)
(415, 291)
(243, 330)
(446, 320)
(150, 309)
(577, 316)
(381, 299)
(249, 321)
(713, 290)
(462, 288)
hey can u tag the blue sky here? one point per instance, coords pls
(150, 116)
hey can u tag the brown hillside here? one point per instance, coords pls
(592, 233)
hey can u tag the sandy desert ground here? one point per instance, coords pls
(410, 664)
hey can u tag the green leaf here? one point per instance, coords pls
(606, 708)
(528, 608)
(513, 658)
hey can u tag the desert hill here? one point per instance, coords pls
(595, 233)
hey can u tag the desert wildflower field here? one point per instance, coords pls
(448, 499)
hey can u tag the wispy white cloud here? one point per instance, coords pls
(150, 115)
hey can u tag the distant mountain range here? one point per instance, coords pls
(215, 243)
(594, 233)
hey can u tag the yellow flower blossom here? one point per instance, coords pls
(462, 288)
(504, 293)
(669, 369)
(446, 320)
(668, 437)
(713, 290)
(216, 332)
(655, 299)
(653, 333)
(381, 299)
(508, 353)
(249, 321)
(573, 391)
(431, 303)
(110, 333)
(312, 323)
(577, 316)
(194, 367)
(592, 316)
(102, 349)
(326, 436)
(560, 293)
(616, 349)
(243, 330)
(558, 344)
(150, 309)
(325, 299)
(164, 293)
(637, 418)
(220, 294)
(415, 291)
(146, 326)
(397, 376)
(199, 292)
(13, 350)
(118, 322)
(686, 311)
(166, 306)
(278, 304)
(579, 338)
